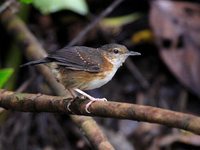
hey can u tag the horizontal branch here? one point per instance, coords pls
(44, 103)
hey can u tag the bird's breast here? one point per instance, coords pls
(101, 79)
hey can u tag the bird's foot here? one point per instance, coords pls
(92, 100)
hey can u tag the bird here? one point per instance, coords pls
(81, 68)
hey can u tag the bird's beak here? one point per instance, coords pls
(132, 53)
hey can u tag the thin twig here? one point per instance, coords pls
(5, 5)
(137, 74)
(82, 34)
(25, 84)
(46, 103)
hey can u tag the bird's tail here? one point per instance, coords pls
(35, 62)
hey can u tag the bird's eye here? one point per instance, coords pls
(116, 51)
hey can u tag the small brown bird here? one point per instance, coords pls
(83, 68)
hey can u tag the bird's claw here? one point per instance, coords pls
(69, 104)
(92, 101)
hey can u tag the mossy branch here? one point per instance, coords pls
(58, 104)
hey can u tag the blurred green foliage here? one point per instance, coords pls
(120, 20)
(51, 6)
(5, 74)
(26, 1)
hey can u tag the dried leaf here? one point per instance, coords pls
(176, 26)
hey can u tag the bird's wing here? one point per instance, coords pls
(78, 58)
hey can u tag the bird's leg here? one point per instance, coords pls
(89, 96)
(92, 99)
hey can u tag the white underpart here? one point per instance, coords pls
(101, 81)
(108, 75)
(117, 62)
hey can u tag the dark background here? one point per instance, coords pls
(150, 79)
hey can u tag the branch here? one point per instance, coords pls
(40, 103)
(5, 5)
(83, 33)
(33, 50)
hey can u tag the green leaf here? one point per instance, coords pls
(120, 20)
(26, 1)
(50, 6)
(5, 74)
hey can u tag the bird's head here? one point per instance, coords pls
(117, 53)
